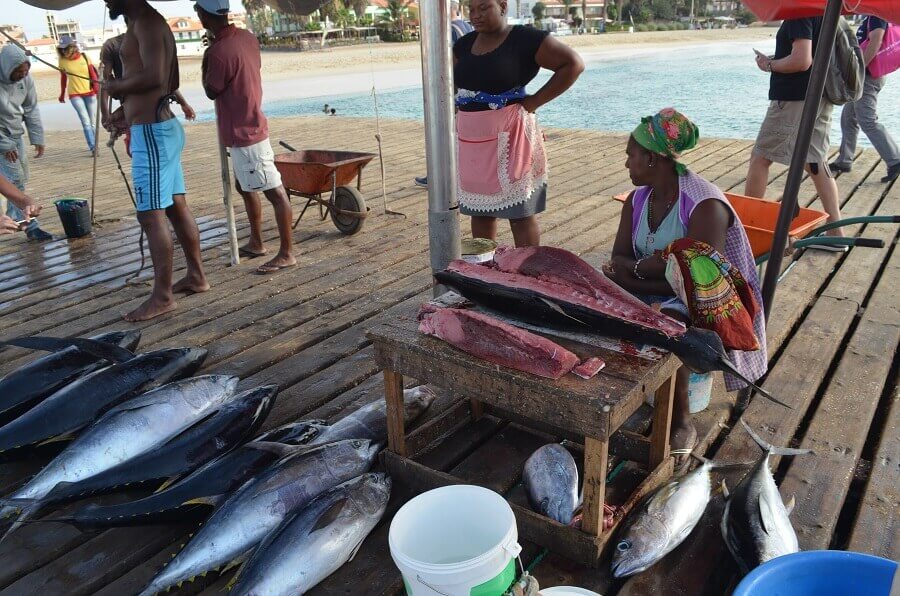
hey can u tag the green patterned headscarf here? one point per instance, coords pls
(668, 133)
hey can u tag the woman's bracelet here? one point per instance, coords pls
(635, 270)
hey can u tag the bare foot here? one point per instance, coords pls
(683, 439)
(190, 284)
(152, 307)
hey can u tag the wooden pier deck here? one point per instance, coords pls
(833, 344)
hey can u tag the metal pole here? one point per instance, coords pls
(440, 139)
(788, 209)
(229, 208)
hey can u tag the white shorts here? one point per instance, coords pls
(254, 167)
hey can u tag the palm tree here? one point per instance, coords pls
(538, 11)
(397, 13)
(584, 14)
(567, 4)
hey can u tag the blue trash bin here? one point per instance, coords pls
(821, 573)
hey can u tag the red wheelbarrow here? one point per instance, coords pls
(314, 173)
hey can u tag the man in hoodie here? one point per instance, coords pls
(19, 113)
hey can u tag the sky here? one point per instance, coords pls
(90, 14)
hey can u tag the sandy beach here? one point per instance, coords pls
(314, 67)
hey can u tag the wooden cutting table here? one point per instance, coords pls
(571, 407)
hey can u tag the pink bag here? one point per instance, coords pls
(887, 60)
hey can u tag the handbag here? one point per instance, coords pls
(887, 60)
(93, 74)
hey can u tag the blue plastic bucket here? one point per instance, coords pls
(821, 573)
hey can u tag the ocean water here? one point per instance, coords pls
(718, 86)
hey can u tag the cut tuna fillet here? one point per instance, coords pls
(492, 340)
(589, 368)
(559, 266)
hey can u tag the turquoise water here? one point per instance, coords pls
(717, 86)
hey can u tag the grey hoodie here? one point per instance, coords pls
(18, 102)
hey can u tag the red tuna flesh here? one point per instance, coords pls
(559, 266)
(492, 340)
(589, 368)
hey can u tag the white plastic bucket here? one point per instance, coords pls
(456, 540)
(567, 591)
(699, 391)
(478, 250)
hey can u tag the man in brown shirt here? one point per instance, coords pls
(231, 77)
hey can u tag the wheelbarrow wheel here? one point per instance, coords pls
(347, 198)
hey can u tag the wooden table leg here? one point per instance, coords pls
(393, 397)
(662, 422)
(596, 453)
(477, 409)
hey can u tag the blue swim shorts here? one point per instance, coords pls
(156, 163)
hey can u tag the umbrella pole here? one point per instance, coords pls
(229, 207)
(440, 145)
(788, 209)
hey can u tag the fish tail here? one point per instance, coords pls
(728, 367)
(25, 509)
(771, 448)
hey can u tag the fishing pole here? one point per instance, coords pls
(30, 54)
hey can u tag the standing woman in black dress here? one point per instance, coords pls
(502, 163)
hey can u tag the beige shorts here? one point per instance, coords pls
(778, 133)
(254, 167)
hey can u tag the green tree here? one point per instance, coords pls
(744, 16)
(538, 11)
(396, 15)
(359, 8)
(663, 10)
(567, 4)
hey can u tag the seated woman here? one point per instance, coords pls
(671, 203)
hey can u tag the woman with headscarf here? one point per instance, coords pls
(19, 113)
(502, 163)
(676, 212)
(78, 77)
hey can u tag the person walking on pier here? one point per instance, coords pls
(863, 113)
(149, 80)
(231, 77)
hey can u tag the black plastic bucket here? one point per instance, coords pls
(75, 215)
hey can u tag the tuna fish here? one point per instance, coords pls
(551, 481)
(551, 304)
(755, 523)
(314, 543)
(663, 521)
(63, 414)
(28, 385)
(123, 433)
(220, 431)
(188, 498)
(242, 521)
(370, 421)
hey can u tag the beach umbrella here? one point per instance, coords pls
(768, 10)
(776, 10)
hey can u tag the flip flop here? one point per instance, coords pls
(249, 254)
(266, 269)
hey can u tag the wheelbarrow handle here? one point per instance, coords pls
(839, 241)
(864, 219)
(286, 145)
(869, 242)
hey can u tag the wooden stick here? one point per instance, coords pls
(229, 207)
(596, 454)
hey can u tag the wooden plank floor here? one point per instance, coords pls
(833, 344)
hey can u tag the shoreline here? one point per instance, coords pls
(300, 75)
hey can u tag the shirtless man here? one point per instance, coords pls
(150, 78)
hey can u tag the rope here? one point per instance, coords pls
(28, 53)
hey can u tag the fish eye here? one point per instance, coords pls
(357, 444)
(623, 546)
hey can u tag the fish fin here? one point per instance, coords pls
(771, 448)
(767, 511)
(725, 492)
(789, 506)
(559, 310)
(329, 515)
(30, 507)
(356, 549)
(56, 439)
(167, 484)
(110, 352)
(279, 449)
(728, 367)
(211, 500)
(661, 497)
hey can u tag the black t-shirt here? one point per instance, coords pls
(792, 86)
(511, 65)
(869, 24)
